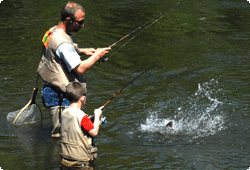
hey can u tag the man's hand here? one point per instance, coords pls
(102, 51)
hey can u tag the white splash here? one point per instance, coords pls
(198, 116)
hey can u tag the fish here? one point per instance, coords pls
(170, 124)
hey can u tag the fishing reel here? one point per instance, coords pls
(103, 59)
(102, 119)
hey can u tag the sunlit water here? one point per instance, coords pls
(198, 116)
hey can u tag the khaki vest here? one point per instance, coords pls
(76, 143)
(51, 68)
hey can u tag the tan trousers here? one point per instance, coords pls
(55, 115)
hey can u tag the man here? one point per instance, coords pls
(77, 150)
(60, 62)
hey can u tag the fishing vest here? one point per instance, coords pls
(76, 143)
(51, 68)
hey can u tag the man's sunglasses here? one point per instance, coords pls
(80, 22)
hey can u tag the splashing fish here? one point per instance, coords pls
(198, 116)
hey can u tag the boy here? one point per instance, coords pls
(77, 130)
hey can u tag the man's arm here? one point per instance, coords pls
(86, 51)
(69, 55)
(86, 64)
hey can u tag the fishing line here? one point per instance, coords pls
(143, 27)
(104, 118)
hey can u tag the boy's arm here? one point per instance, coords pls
(95, 128)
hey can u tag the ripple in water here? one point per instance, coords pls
(197, 116)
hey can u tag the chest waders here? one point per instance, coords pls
(58, 113)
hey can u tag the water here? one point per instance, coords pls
(202, 84)
(197, 117)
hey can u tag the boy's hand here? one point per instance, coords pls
(98, 112)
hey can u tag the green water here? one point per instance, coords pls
(197, 44)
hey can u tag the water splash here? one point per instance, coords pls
(197, 116)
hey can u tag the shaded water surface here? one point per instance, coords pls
(202, 83)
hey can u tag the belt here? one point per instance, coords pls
(73, 163)
(81, 164)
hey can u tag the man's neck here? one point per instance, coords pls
(62, 25)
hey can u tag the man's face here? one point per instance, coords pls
(78, 23)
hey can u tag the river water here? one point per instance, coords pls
(201, 84)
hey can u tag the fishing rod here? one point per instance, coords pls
(143, 27)
(145, 71)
